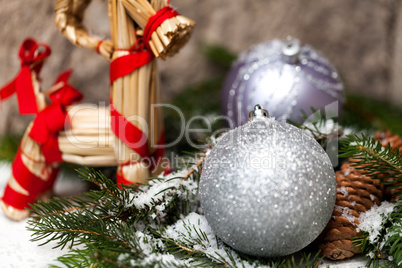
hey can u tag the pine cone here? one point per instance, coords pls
(356, 193)
(387, 137)
(396, 143)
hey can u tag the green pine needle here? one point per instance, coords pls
(112, 232)
(373, 159)
(385, 164)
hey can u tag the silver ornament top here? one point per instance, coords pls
(258, 112)
(265, 75)
(291, 50)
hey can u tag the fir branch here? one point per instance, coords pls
(373, 159)
(384, 163)
(76, 258)
(101, 217)
(109, 261)
(91, 233)
(42, 211)
(68, 220)
(385, 249)
(127, 227)
(190, 237)
(324, 130)
(197, 168)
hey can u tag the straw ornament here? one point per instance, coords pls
(169, 36)
(121, 134)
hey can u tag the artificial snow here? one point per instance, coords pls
(372, 221)
(180, 230)
(343, 191)
(15, 248)
(195, 231)
(357, 261)
(347, 214)
(329, 127)
(156, 190)
(146, 244)
(159, 260)
(18, 251)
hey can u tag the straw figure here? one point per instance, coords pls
(129, 133)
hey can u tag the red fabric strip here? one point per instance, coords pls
(98, 46)
(33, 184)
(16, 199)
(25, 92)
(125, 65)
(120, 179)
(51, 150)
(8, 90)
(154, 160)
(32, 57)
(128, 133)
(54, 118)
(155, 21)
(30, 182)
(48, 185)
(132, 136)
(67, 94)
(45, 130)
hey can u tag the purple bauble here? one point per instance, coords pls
(284, 77)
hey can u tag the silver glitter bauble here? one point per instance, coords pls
(267, 188)
(284, 76)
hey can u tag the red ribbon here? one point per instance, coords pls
(54, 118)
(32, 57)
(29, 181)
(154, 160)
(120, 179)
(155, 21)
(128, 133)
(135, 138)
(127, 64)
(131, 135)
(16, 199)
(98, 46)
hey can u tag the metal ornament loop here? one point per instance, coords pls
(291, 50)
(258, 112)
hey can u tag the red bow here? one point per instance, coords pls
(54, 118)
(32, 57)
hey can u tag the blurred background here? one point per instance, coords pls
(362, 38)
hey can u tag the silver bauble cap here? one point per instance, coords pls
(258, 112)
(291, 50)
